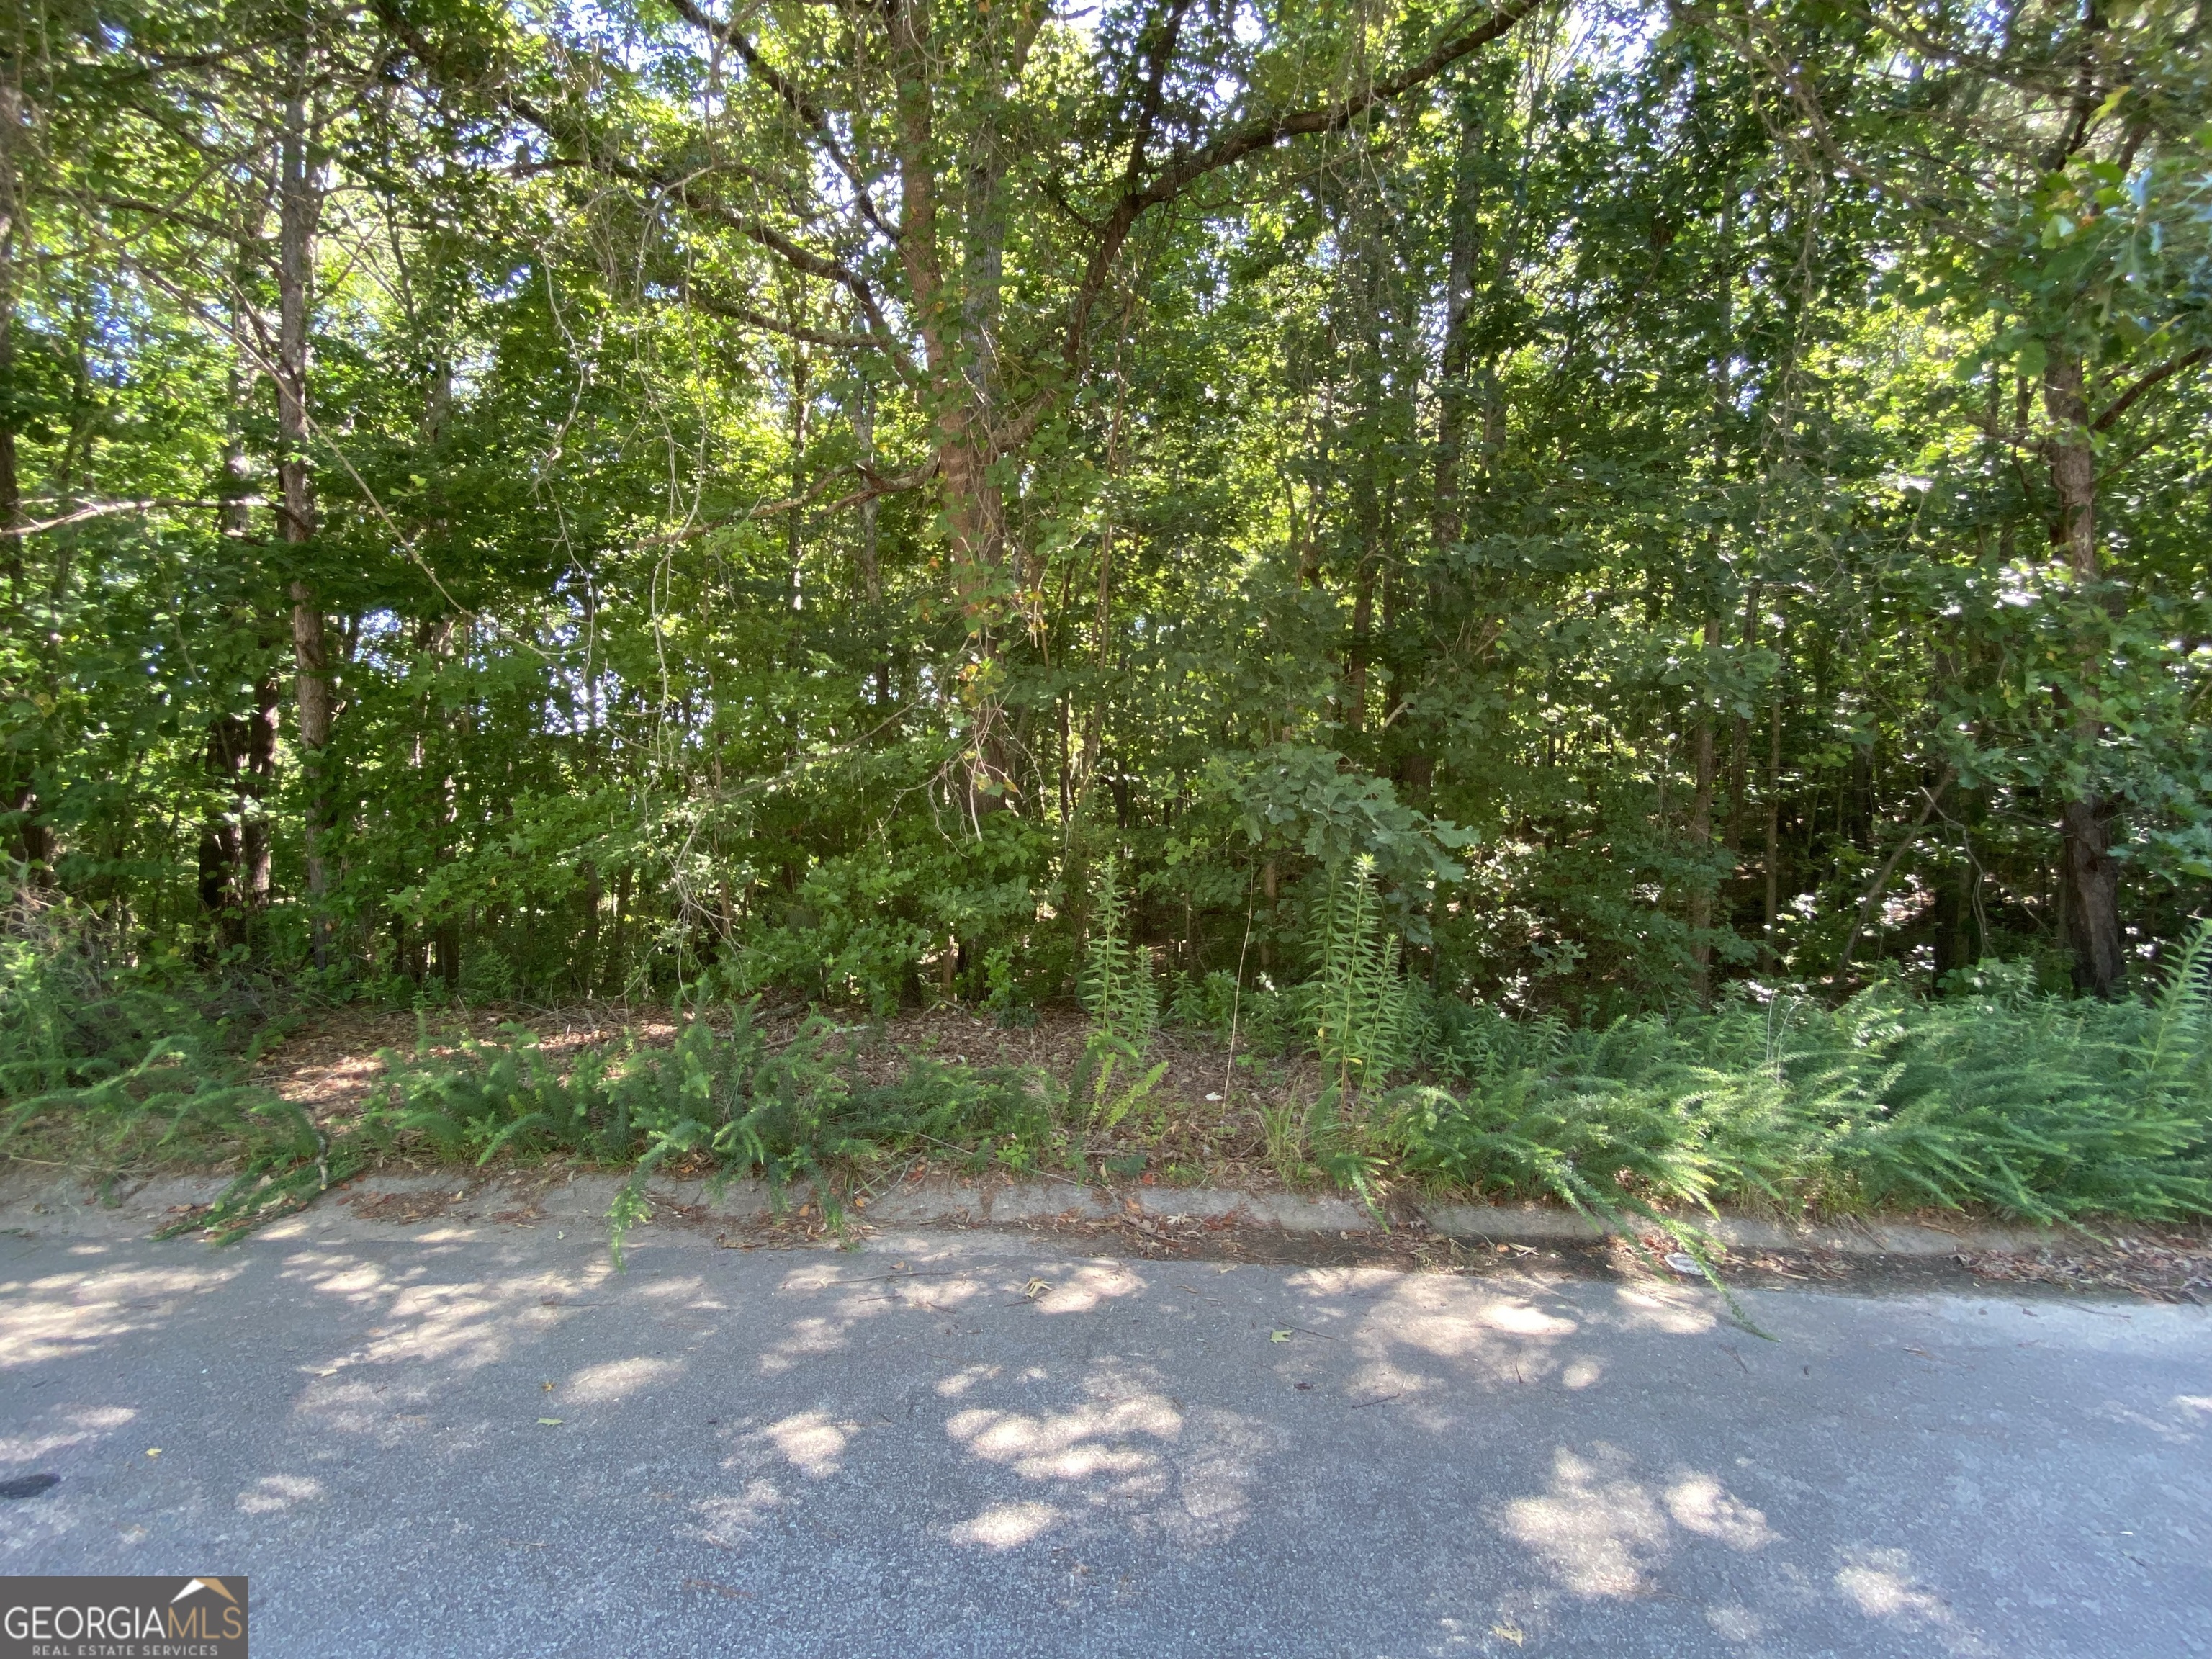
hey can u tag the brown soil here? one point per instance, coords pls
(2168, 1265)
(1414, 1249)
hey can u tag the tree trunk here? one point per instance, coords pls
(11, 122)
(587, 980)
(261, 778)
(619, 956)
(1773, 854)
(241, 757)
(222, 834)
(974, 514)
(1355, 658)
(299, 207)
(1700, 829)
(794, 522)
(432, 757)
(2089, 876)
(1873, 894)
(872, 573)
(20, 798)
(1455, 396)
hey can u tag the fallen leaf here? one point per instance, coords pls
(153, 1451)
(1508, 1633)
(1035, 1288)
(1278, 1336)
(549, 1422)
(548, 1387)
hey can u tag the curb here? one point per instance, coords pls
(34, 1202)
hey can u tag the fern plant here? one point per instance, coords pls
(1116, 985)
(1359, 1002)
(1123, 1001)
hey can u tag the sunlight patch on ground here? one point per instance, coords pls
(84, 1424)
(1701, 1505)
(811, 1443)
(273, 1493)
(613, 1380)
(1882, 1584)
(1073, 1445)
(1600, 1532)
(730, 1521)
(1005, 1526)
(64, 1314)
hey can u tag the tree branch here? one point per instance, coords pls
(1775, 63)
(1889, 865)
(716, 305)
(152, 504)
(877, 485)
(1253, 138)
(2165, 371)
(794, 100)
(675, 187)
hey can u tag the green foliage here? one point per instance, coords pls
(1358, 996)
(106, 1068)
(1117, 986)
(2000, 1099)
(1283, 1127)
(1438, 489)
(2007, 1102)
(728, 1100)
(1123, 1001)
(1555, 539)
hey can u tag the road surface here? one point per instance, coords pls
(482, 1440)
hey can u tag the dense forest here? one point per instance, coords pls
(547, 502)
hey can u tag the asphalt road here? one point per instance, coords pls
(452, 1441)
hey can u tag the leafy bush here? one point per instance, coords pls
(1123, 1001)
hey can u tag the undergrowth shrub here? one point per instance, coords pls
(2005, 1101)
(729, 1100)
(1122, 1000)
(1116, 985)
(103, 1067)
(1999, 1098)
(1357, 999)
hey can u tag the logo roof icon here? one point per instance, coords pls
(215, 1584)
